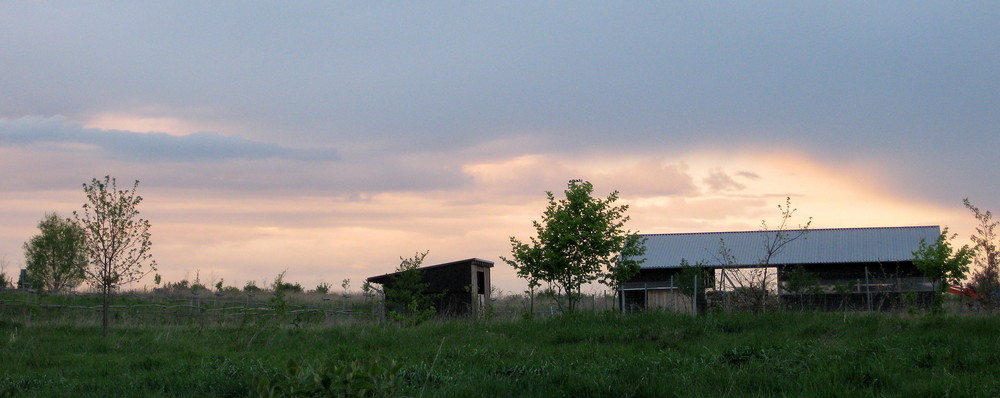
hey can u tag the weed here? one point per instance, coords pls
(361, 378)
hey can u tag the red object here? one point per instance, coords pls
(963, 291)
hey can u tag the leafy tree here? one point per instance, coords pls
(4, 279)
(689, 274)
(986, 277)
(802, 282)
(405, 293)
(580, 239)
(627, 266)
(279, 304)
(117, 239)
(693, 280)
(56, 257)
(532, 285)
(942, 264)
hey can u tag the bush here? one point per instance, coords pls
(251, 287)
(288, 287)
(177, 286)
(323, 288)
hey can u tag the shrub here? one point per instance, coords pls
(251, 287)
(323, 288)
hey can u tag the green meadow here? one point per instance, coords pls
(591, 354)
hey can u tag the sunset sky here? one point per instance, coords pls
(329, 138)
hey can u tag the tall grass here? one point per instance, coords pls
(590, 354)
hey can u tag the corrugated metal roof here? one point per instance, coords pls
(839, 245)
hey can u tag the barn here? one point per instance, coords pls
(458, 287)
(857, 268)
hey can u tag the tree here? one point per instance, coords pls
(117, 241)
(802, 282)
(986, 277)
(628, 265)
(580, 239)
(4, 279)
(942, 264)
(693, 280)
(751, 286)
(405, 293)
(56, 258)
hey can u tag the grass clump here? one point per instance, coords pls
(362, 378)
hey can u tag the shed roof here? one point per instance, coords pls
(835, 245)
(382, 279)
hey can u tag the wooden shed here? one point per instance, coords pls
(459, 287)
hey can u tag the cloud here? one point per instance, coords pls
(533, 174)
(748, 175)
(56, 133)
(718, 180)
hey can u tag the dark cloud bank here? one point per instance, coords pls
(149, 147)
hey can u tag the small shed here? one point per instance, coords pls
(459, 287)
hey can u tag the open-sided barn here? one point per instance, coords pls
(458, 288)
(849, 266)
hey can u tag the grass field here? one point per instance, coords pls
(591, 354)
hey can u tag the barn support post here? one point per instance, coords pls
(694, 297)
(868, 289)
(645, 296)
(675, 292)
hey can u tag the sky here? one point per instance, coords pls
(329, 139)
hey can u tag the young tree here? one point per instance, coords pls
(802, 282)
(56, 257)
(693, 280)
(579, 240)
(628, 265)
(4, 279)
(406, 295)
(942, 264)
(117, 239)
(751, 286)
(986, 277)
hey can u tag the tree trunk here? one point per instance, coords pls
(531, 302)
(104, 323)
